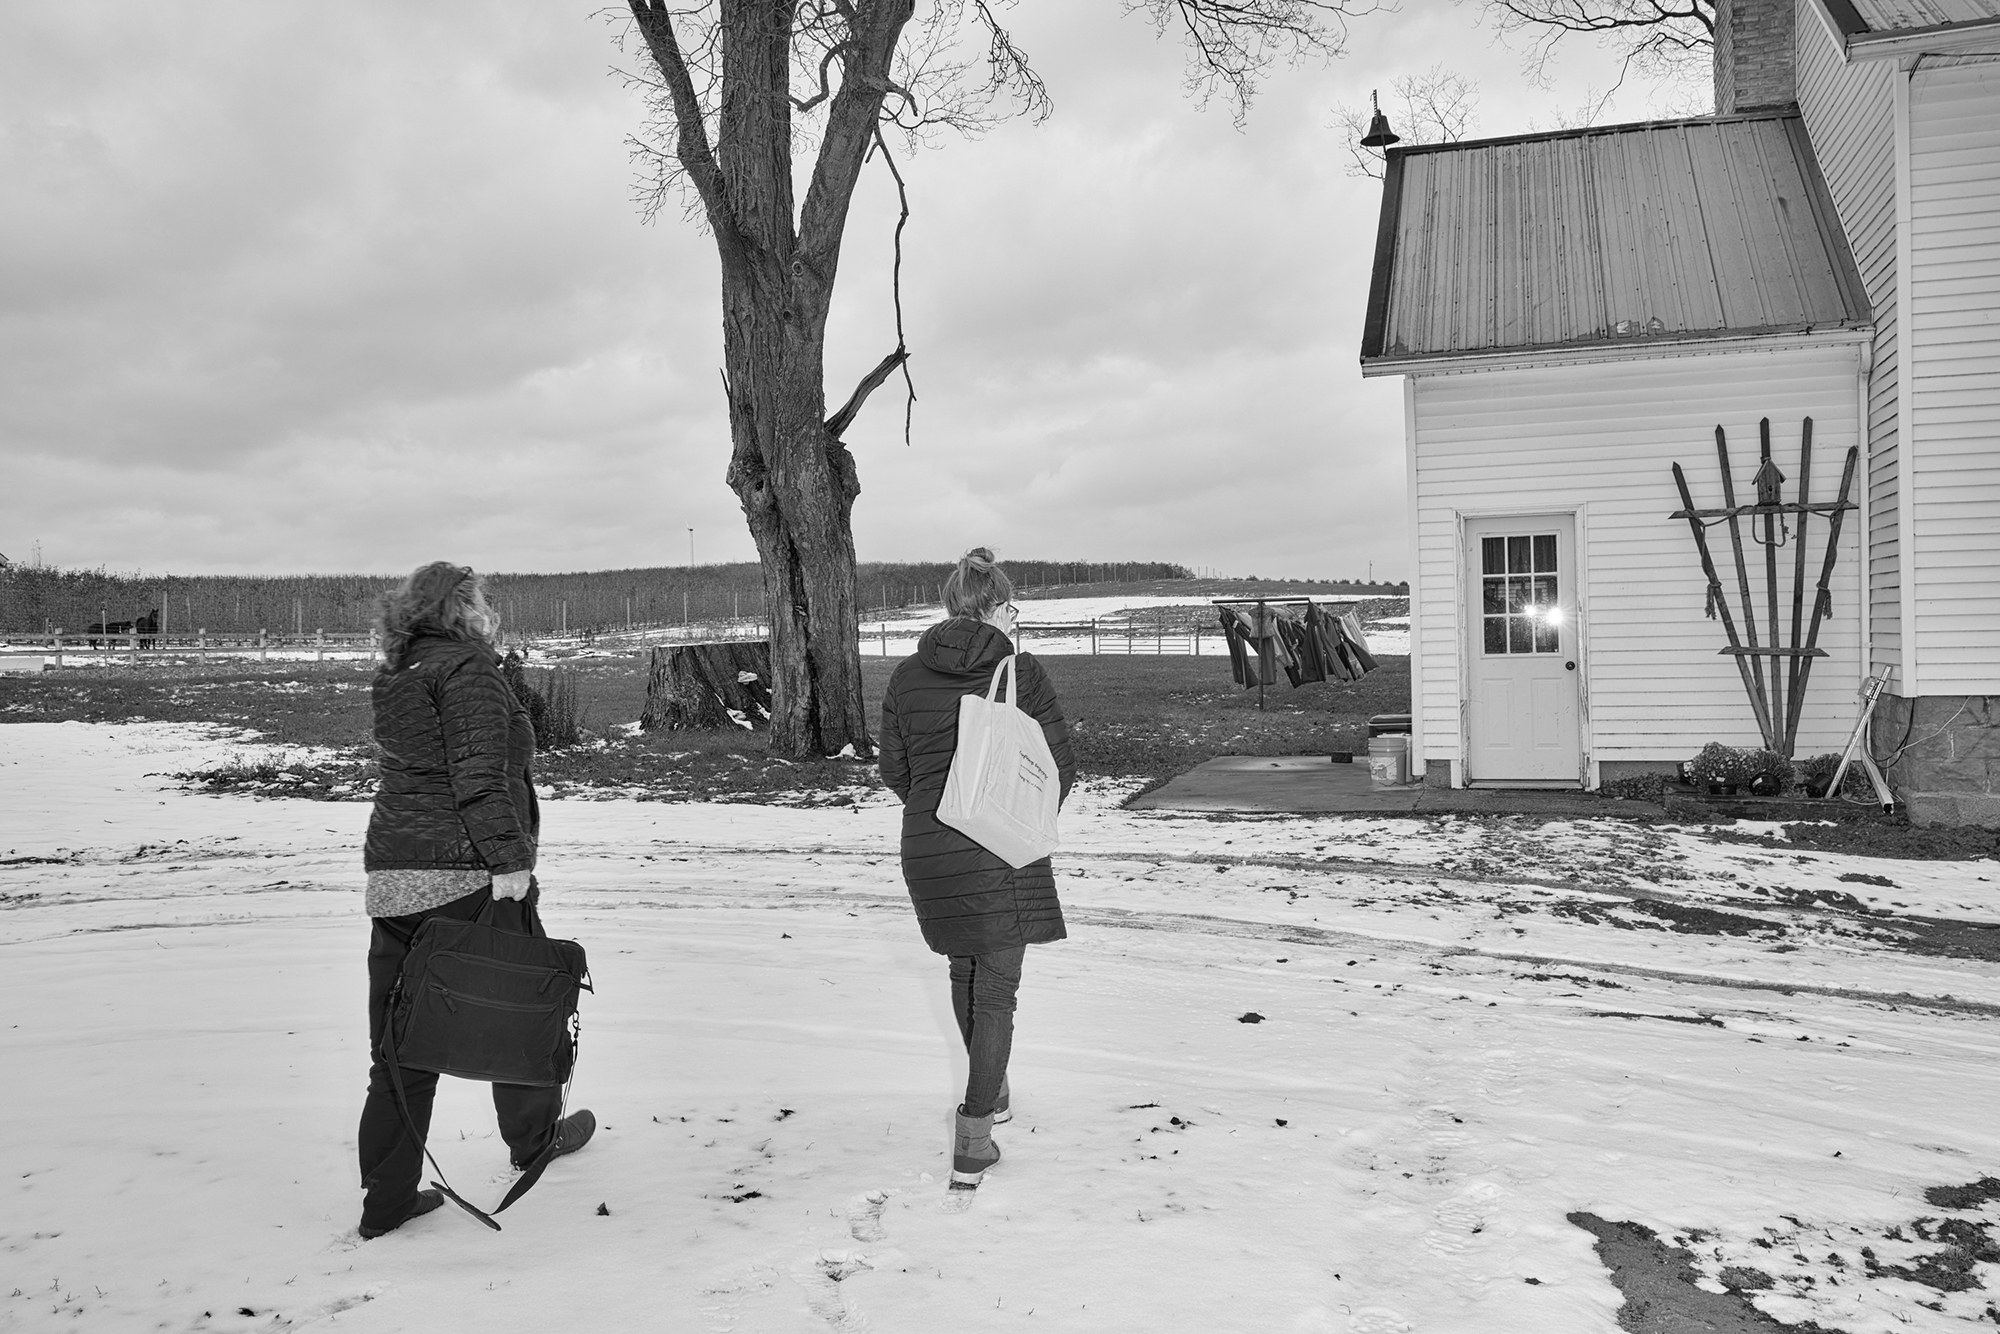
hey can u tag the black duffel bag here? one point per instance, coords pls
(480, 1002)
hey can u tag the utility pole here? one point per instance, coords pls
(690, 548)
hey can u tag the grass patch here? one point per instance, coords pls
(288, 704)
(345, 777)
(1144, 717)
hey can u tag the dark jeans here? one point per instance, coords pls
(391, 1164)
(983, 987)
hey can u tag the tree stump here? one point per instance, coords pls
(693, 687)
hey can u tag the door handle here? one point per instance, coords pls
(1569, 666)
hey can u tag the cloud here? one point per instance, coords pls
(348, 287)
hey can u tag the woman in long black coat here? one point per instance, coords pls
(453, 834)
(971, 906)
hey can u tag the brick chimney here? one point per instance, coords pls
(1754, 55)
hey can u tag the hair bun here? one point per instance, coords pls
(976, 557)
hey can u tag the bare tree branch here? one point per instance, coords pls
(896, 280)
(850, 128)
(1232, 42)
(875, 379)
(692, 151)
(1664, 40)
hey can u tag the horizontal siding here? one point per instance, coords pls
(1604, 437)
(1954, 384)
(1849, 113)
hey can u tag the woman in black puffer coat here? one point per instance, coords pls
(452, 834)
(971, 906)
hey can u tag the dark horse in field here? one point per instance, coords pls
(147, 627)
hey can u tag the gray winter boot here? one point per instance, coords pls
(972, 1148)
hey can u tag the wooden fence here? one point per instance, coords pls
(86, 649)
(1103, 637)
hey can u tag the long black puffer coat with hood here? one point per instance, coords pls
(456, 753)
(968, 900)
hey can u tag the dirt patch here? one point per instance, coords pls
(1876, 836)
(1969, 1196)
(1963, 1245)
(1938, 938)
(1658, 1282)
(1658, 915)
(1708, 1019)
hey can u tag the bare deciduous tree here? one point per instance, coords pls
(1435, 107)
(737, 90)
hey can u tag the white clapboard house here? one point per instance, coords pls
(1576, 313)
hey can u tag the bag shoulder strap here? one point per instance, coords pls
(529, 1176)
(1004, 672)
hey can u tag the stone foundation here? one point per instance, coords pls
(1941, 755)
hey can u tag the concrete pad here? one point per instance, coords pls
(1313, 785)
(1298, 784)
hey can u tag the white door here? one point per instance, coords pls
(1521, 642)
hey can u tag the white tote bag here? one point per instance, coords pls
(1003, 789)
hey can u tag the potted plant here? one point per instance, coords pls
(1719, 768)
(1816, 772)
(1770, 773)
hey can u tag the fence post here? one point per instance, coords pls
(885, 639)
(135, 650)
(263, 646)
(201, 643)
(55, 643)
(319, 645)
(1093, 636)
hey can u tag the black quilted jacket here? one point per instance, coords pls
(456, 751)
(968, 901)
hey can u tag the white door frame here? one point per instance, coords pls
(1462, 519)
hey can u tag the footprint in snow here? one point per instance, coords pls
(864, 1216)
(1499, 1078)
(1461, 1218)
(821, 1276)
(1376, 1320)
(727, 1295)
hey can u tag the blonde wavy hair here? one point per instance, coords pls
(440, 599)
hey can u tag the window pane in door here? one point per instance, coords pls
(1545, 553)
(1520, 635)
(1496, 634)
(1494, 599)
(1492, 555)
(1548, 637)
(1518, 592)
(1518, 555)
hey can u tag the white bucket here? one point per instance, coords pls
(1389, 759)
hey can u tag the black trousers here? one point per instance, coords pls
(983, 991)
(391, 1163)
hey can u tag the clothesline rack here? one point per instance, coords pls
(1277, 602)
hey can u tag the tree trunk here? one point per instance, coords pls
(693, 687)
(794, 478)
(797, 486)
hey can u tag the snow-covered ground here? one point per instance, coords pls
(896, 636)
(1468, 1031)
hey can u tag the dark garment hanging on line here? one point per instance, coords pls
(1241, 664)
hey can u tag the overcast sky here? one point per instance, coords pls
(290, 288)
